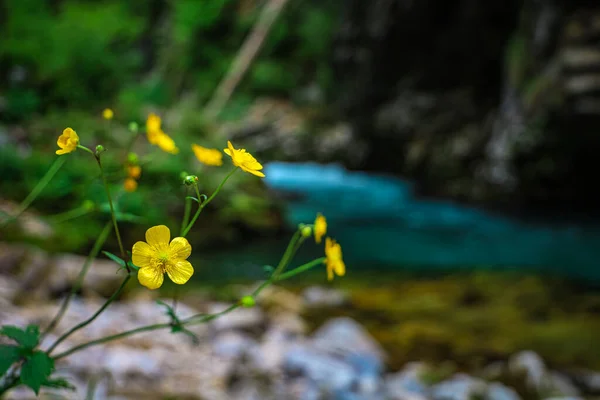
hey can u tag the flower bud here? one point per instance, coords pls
(190, 180)
(88, 205)
(132, 158)
(247, 301)
(306, 231)
(100, 149)
(133, 127)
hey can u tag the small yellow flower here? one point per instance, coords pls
(134, 171)
(245, 161)
(166, 144)
(67, 142)
(208, 156)
(156, 136)
(320, 227)
(130, 185)
(334, 262)
(108, 113)
(157, 256)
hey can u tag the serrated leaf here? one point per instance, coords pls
(28, 338)
(8, 356)
(59, 383)
(116, 259)
(36, 370)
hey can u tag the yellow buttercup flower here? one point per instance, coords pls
(208, 156)
(67, 142)
(134, 171)
(130, 185)
(334, 262)
(108, 113)
(244, 160)
(320, 227)
(157, 256)
(156, 136)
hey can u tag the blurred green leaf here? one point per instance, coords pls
(27, 338)
(36, 370)
(8, 356)
(115, 258)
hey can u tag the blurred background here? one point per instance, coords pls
(451, 144)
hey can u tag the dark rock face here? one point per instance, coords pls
(490, 102)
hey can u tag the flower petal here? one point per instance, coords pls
(253, 172)
(180, 271)
(151, 277)
(180, 248)
(141, 254)
(158, 235)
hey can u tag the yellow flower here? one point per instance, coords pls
(208, 156)
(130, 185)
(108, 113)
(320, 227)
(157, 256)
(334, 262)
(156, 136)
(67, 142)
(167, 144)
(134, 171)
(245, 161)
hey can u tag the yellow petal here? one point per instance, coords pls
(227, 151)
(340, 268)
(180, 248)
(180, 271)
(62, 151)
(158, 235)
(230, 146)
(253, 172)
(329, 272)
(151, 277)
(141, 254)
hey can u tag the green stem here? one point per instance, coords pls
(58, 163)
(67, 215)
(205, 203)
(112, 210)
(300, 269)
(92, 318)
(186, 214)
(79, 282)
(197, 319)
(86, 149)
(289, 252)
(110, 338)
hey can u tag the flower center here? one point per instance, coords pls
(163, 258)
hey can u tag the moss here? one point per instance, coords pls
(475, 319)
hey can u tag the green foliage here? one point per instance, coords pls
(116, 259)
(27, 339)
(176, 324)
(36, 370)
(8, 356)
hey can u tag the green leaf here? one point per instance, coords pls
(132, 265)
(59, 383)
(116, 259)
(28, 338)
(8, 356)
(36, 370)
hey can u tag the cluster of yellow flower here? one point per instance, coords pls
(333, 250)
(158, 254)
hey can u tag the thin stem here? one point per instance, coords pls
(287, 255)
(79, 282)
(110, 338)
(86, 149)
(92, 318)
(186, 213)
(112, 210)
(58, 163)
(67, 215)
(196, 319)
(300, 269)
(205, 203)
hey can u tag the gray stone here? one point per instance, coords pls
(240, 319)
(232, 345)
(407, 382)
(531, 365)
(459, 387)
(498, 391)
(561, 385)
(317, 296)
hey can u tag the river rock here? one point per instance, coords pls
(459, 387)
(531, 365)
(245, 319)
(317, 296)
(407, 384)
(498, 391)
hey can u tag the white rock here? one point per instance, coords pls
(498, 391)
(530, 364)
(317, 296)
(241, 319)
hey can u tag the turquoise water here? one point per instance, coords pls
(381, 224)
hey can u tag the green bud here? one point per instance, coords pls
(132, 158)
(88, 205)
(133, 127)
(247, 301)
(190, 180)
(183, 175)
(306, 231)
(100, 149)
